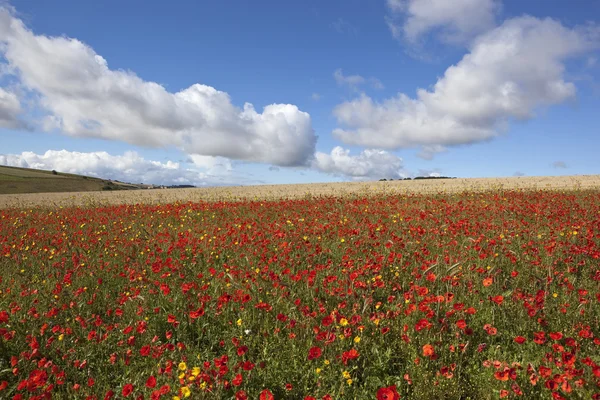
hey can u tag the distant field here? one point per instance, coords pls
(156, 196)
(23, 180)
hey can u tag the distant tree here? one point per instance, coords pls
(54, 172)
(382, 180)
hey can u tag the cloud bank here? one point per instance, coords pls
(509, 73)
(369, 164)
(81, 96)
(456, 21)
(129, 167)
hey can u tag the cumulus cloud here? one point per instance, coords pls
(559, 164)
(83, 97)
(354, 81)
(369, 164)
(129, 167)
(508, 74)
(10, 108)
(457, 21)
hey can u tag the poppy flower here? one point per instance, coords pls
(151, 382)
(428, 350)
(388, 393)
(266, 395)
(237, 380)
(314, 352)
(127, 390)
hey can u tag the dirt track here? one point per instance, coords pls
(590, 182)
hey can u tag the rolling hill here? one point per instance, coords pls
(15, 180)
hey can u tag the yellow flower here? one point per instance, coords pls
(176, 398)
(318, 370)
(343, 322)
(185, 391)
(196, 371)
(326, 362)
(349, 381)
(346, 375)
(357, 339)
(239, 322)
(182, 366)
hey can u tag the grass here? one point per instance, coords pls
(24, 180)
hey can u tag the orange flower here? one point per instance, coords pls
(501, 375)
(428, 350)
(488, 281)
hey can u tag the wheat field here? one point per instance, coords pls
(271, 192)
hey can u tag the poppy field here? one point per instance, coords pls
(467, 295)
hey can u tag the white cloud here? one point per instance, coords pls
(350, 80)
(315, 96)
(84, 97)
(369, 164)
(458, 21)
(509, 73)
(10, 108)
(354, 81)
(129, 167)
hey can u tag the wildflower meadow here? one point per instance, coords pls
(486, 295)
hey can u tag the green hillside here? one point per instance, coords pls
(24, 180)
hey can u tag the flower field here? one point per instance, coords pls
(415, 296)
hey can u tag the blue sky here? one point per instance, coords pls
(508, 87)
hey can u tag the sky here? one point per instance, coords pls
(237, 92)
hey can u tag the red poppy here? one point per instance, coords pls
(151, 382)
(555, 335)
(388, 393)
(349, 355)
(314, 352)
(266, 395)
(145, 351)
(3, 317)
(127, 390)
(241, 395)
(197, 313)
(237, 381)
